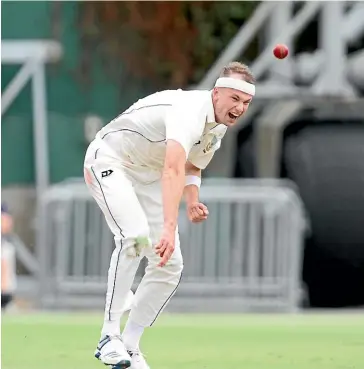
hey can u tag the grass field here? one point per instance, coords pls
(60, 341)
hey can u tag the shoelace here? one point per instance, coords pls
(130, 352)
(116, 337)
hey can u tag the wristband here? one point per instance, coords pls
(193, 180)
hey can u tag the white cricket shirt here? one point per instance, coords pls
(140, 133)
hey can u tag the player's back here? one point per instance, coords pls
(140, 131)
(157, 99)
(148, 114)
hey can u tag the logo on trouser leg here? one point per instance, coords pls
(106, 173)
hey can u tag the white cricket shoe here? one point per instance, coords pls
(111, 351)
(137, 360)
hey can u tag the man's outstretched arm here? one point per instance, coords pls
(173, 183)
(184, 126)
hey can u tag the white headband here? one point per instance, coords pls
(236, 84)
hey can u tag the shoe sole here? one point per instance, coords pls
(123, 364)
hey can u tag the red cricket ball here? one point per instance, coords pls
(280, 51)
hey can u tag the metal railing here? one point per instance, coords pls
(247, 255)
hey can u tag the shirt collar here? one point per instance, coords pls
(212, 126)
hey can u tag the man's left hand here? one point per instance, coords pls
(197, 212)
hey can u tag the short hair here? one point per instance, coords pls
(238, 68)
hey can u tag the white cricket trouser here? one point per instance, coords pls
(132, 210)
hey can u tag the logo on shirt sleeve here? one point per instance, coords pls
(210, 145)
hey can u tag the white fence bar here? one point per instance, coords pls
(246, 256)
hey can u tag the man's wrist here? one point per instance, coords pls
(170, 225)
(191, 194)
(193, 180)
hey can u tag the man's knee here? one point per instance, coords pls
(135, 243)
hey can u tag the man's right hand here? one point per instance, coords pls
(165, 247)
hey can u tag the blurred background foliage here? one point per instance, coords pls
(193, 35)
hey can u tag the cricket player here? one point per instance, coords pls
(137, 169)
